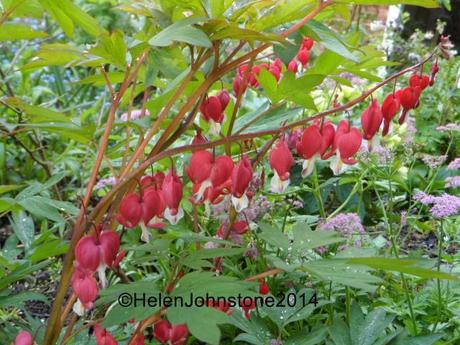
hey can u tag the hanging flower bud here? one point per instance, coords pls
(85, 288)
(213, 112)
(390, 107)
(198, 138)
(278, 64)
(434, 72)
(309, 147)
(275, 71)
(281, 162)
(263, 287)
(103, 337)
(23, 338)
(224, 98)
(303, 56)
(409, 98)
(139, 340)
(371, 119)
(172, 195)
(293, 67)
(307, 43)
(241, 176)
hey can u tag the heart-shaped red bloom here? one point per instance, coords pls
(166, 333)
(84, 286)
(221, 171)
(172, 192)
(409, 98)
(419, 80)
(310, 142)
(348, 145)
(293, 66)
(303, 56)
(390, 107)
(103, 337)
(211, 108)
(327, 140)
(241, 176)
(200, 166)
(371, 119)
(281, 160)
(307, 43)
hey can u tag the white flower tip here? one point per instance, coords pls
(240, 203)
(174, 219)
(78, 308)
(277, 185)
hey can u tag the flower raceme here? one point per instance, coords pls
(169, 334)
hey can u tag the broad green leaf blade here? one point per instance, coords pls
(182, 31)
(274, 236)
(16, 32)
(407, 266)
(305, 238)
(329, 39)
(24, 228)
(37, 114)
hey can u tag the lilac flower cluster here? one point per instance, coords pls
(454, 165)
(251, 251)
(441, 206)
(102, 183)
(433, 161)
(345, 223)
(449, 127)
(380, 153)
(453, 182)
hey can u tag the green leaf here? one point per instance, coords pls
(202, 322)
(329, 39)
(112, 48)
(182, 31)
(422, 3)
(10, 187)
(37, 114)
(16, 32)
(20, 298)
(339, 333)
(49, 249)
(273, 236)
(196, 259)
(45, 211)
(305, 238)
(68, 15)
(21, 272)
(54, 55)
(407, 266)
(24, 228)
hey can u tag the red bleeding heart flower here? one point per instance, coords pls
(327, 139)
(263, 287)
(200, 166)
(241, 176)
(309, 148)
(103, 337)
(421, 81)
(347, 141)
(303, 56)
(409, 98)
(248, 305)
(212, 110)
(371, 119)
(307, 43)
(390, 108)
(166, 333)
(221, 171)
(219, 304)
(85, 288)
(239, 85)
(23, 338)
(293, 66)
(224, 98)
(130, 212)
(172, 196)
(281, 162)
(98, 252)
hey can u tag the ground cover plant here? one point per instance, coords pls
(267, 161)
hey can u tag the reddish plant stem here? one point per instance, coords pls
(54, 324)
